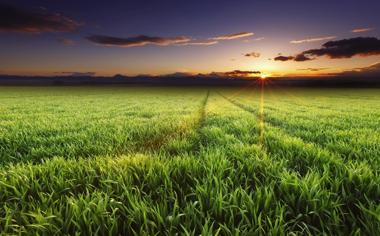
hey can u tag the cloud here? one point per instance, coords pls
(14, 19)
(284, 58)
(199, 43)
(312, 69)
(310, 40)
(302, 57)
(375, 67)
(66, 41)
(77, 74)
(369, 71)
(241, 73)
(141, 40)
(252, 54)
(361, 30)
(345, 48)
(233, 36)
(250, 40)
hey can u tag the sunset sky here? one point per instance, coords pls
(160, 37)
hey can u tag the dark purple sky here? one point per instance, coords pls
(185, 36)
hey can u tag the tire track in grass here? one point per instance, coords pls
(280, 128)
(202, 111)
(345, 149)
(151, 139)
(182, 132)
(285, 134)
(339, 182)
(324, 144)
(261, 128)
(268, 122)
(111, 178)
(346, 113)
(350, 149)
(315, 156)
(235, 163)
(297, 101)
(290, 180)
(201, 123)
(259, 116)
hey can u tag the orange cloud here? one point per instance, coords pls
(310, 40)
(199, 43)
(233, 36)
(361, 30)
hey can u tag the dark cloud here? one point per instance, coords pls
(241, 73)
(77, 74)
(14, 19)
(284, 58)
(369, 71)
(252, 54)
(302, 57)
(136, 41)
(345, 48)
(233, 36)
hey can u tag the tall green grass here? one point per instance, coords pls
(148, 161)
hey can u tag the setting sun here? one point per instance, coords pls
(263, 76)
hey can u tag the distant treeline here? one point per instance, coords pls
(189, 81)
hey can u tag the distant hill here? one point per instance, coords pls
(190, 80)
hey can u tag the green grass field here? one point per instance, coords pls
(227, 161)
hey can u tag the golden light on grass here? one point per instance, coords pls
(261, 112)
